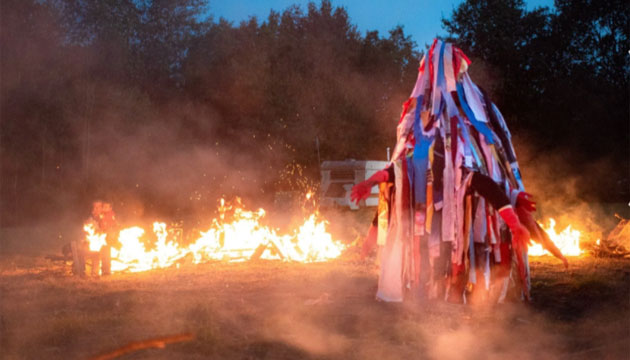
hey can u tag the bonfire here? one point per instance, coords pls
(237, 234)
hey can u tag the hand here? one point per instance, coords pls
(527, 220)
(525, 201)
(520, 235)
(361, 191)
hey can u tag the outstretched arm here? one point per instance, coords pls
(361, 191)
(538, 233)
(486, 187)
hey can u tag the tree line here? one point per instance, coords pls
(160, 102)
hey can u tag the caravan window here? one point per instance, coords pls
(342, 175)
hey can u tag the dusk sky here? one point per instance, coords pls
(420, 18)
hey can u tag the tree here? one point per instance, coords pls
(136, 41)
(564, 74)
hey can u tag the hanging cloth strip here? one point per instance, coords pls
(448, 68)
(437, 169)
(474, 144)
(478, 125)
(473, 99)
(384, 208)
(470, 244)
(498, 129)
(516, 173)
(438, 78)
(420, 159)
(468, 142)
(480, 226)
(461, 243)
(420, 85)
(404, 129)
(449, 193)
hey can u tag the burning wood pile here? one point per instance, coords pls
(567, 241)
(236, 235)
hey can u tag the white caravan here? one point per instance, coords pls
(338, 178)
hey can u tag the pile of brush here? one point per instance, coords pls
(617, 243)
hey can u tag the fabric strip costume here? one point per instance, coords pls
(445, 223)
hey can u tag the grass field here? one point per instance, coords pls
(277, 310)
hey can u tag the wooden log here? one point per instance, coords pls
(106, 260)
(158, 343)
(276, 248)
(263, 247)
(258, 252)
(95, 261)
(78, 259)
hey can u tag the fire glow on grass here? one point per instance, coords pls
(568, 241)
(235, 240)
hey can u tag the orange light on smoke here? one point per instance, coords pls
(568, 241)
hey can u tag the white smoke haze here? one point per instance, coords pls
(311, 311)
(558, 190)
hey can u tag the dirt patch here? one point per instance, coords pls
(274, 310)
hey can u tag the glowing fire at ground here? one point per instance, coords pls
(568, 241)
(238, 239)
(96, 241)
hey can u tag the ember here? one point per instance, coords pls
(568, 241)
(241, 238)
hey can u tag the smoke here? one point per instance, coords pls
(565, 194)
(283, 311)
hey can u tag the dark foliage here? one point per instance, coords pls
(562, 78)
(155, 103)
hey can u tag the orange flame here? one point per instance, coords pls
(94, 239)
(568, 241)
(236, 240)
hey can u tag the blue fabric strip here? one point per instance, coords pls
(480, 126)
(517, 175)
(440, 80)
(420, 162)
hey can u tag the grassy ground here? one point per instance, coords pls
(286, 311)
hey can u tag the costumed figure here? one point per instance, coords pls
(453, 219)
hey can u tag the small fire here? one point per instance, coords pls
(96, 241)
(241, 238)
(568, 241)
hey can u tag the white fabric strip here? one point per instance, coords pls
(436, 95)
(404, 129)
(448, 68)
(421, 82)
(474, 101)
